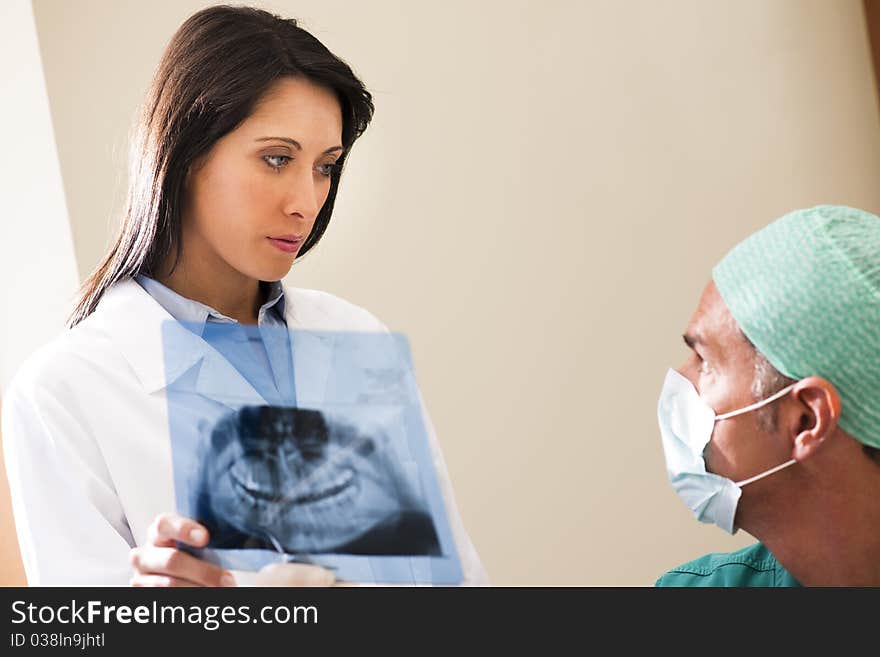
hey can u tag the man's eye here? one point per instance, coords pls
(268, 159)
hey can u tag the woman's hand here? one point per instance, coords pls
(159, 563)
(294, 574)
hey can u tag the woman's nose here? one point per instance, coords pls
(302, 196)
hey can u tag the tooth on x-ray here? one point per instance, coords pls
(335, 469)
(298, 481)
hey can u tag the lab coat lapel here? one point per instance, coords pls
(218, 380)
(160, 349)
(312, 353)
(139, 327)
(312, 359)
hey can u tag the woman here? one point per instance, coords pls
(234, 172)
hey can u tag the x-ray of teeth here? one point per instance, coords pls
(333, 467)
(299, 481)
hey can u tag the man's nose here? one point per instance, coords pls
(691, 372)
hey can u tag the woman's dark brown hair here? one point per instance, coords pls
(213, 71)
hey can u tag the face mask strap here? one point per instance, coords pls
(765, 474)
(752, 407)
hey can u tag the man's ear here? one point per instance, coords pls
(819, 411)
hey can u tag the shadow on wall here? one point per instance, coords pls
(11, 569)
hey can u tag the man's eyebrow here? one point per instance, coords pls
(692, 339)
(297, 145)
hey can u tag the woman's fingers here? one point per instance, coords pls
(294, 574)
(170, 527)
(159, 580)
(159, 563)
(167, 562)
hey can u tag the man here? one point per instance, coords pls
(772, 425)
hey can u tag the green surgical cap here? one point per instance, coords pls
(806, 291)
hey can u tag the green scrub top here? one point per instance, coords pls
(750, 566)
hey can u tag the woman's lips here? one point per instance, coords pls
(288, 246)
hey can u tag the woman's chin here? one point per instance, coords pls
(274, 272)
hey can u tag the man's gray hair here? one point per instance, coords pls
(766, 381)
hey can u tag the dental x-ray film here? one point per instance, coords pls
(320, 457)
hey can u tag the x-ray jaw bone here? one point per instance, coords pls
(302, 482)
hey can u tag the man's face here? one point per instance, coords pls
(721, 366)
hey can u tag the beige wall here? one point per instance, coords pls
(37, 261)
(537, 205)
(37, 266)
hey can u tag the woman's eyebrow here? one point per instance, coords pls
(297, 145)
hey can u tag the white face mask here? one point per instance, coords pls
(686, 424)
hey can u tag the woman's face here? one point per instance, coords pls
(253, 199)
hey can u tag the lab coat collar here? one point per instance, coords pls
(196, 314)
(135, 323)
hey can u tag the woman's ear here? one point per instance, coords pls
(192, 169)
(818, 413)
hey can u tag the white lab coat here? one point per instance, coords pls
(86, 435)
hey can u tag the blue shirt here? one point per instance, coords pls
(260, 353)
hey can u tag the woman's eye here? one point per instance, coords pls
(269, 160)
(328, 169)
